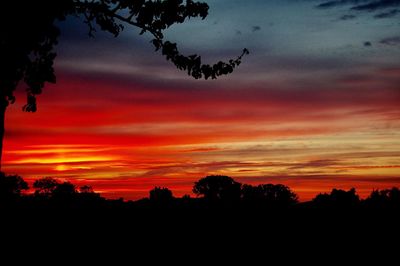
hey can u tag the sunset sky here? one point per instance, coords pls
(314, 106)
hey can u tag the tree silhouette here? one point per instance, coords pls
(64, 191)
(384, 198)
(220, 191)
(338, 198)
(50, 189)
(86, 190)
(44, 187)
(218, 187)
(27, 42)
(161, 195)
(269, 194)
(87, 196)
(11, 186)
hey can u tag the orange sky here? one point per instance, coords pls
(124, 138)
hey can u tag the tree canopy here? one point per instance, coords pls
(45, 186)
(11, 186)
(337, 198)
(161, 194)
(269, 194)
(214, 191)
(217, 187)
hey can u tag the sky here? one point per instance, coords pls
(315, 105)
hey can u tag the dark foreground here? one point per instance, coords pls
(229, 223)
(225, 232)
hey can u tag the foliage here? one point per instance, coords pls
(11, 186)
(217, 187)
(384, 198)
(337, 198)
(215, 191)
(86, 189)
(64, 190)
(161, 194)
(45, 186)
(269, 194)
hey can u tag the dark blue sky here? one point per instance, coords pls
(291, 42)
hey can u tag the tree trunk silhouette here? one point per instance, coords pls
(3, 107)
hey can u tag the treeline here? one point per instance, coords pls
(211, 191)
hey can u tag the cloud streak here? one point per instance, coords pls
(368, 6)
(388, 14)
(391, 41)
(363, 5)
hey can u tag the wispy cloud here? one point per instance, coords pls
(347, 17)
(388, 14)
(392, 41)
(364, 6)
(373, 5)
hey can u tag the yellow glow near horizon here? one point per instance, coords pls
(76, 159)
(61, 168)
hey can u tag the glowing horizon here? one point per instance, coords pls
(125, 156)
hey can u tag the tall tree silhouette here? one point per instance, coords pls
(27, 40)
